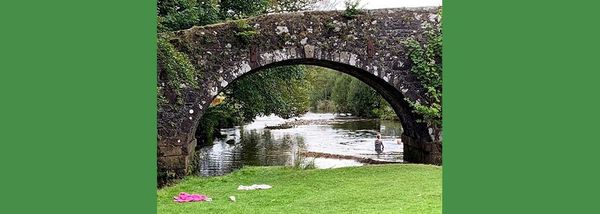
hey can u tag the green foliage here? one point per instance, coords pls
(175, 64)
(339, 93)
(352, 9)
(183, 14)
(216, 117)
(426, 57)
(333, 91)
(242, 25)
(176, 69)
(385, 111)
(238, 9)
(324, 106)
(330, 26)
(282, 91)
(362, 99)
(161, 100)
(322, 81)
(246, 36)
(244, 32)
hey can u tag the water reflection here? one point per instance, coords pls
(254, 145)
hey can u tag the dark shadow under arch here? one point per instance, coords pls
(413, 130)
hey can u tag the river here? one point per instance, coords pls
(258, 144)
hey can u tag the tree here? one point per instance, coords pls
(339, 93)
(283, 91)
(342, 93)
(362, 99)
(322, 81)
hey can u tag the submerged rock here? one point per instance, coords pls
(282, 126)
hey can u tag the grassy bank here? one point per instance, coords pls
(368, 189)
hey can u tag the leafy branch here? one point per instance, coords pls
(426, 57)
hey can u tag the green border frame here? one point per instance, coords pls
(78, 116)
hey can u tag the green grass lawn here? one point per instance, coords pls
(387, 188)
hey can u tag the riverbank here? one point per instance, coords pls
(365, 160)
(390, 188)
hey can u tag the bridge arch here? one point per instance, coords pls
(367, 47)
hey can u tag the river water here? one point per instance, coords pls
(255, 145)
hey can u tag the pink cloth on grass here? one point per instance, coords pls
(185, 197)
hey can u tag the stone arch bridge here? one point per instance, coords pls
(366, 46)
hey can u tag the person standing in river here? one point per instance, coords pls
(379, 145)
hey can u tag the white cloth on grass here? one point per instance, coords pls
(254, 187)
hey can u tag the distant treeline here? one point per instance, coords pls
(291, 91)
(333, 91)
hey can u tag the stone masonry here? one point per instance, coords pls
(366, 46)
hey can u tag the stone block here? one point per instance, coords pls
(170, 150)
(309, 51)
(173, 162)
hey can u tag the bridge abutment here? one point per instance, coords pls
(419, 151)
(175, 160)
